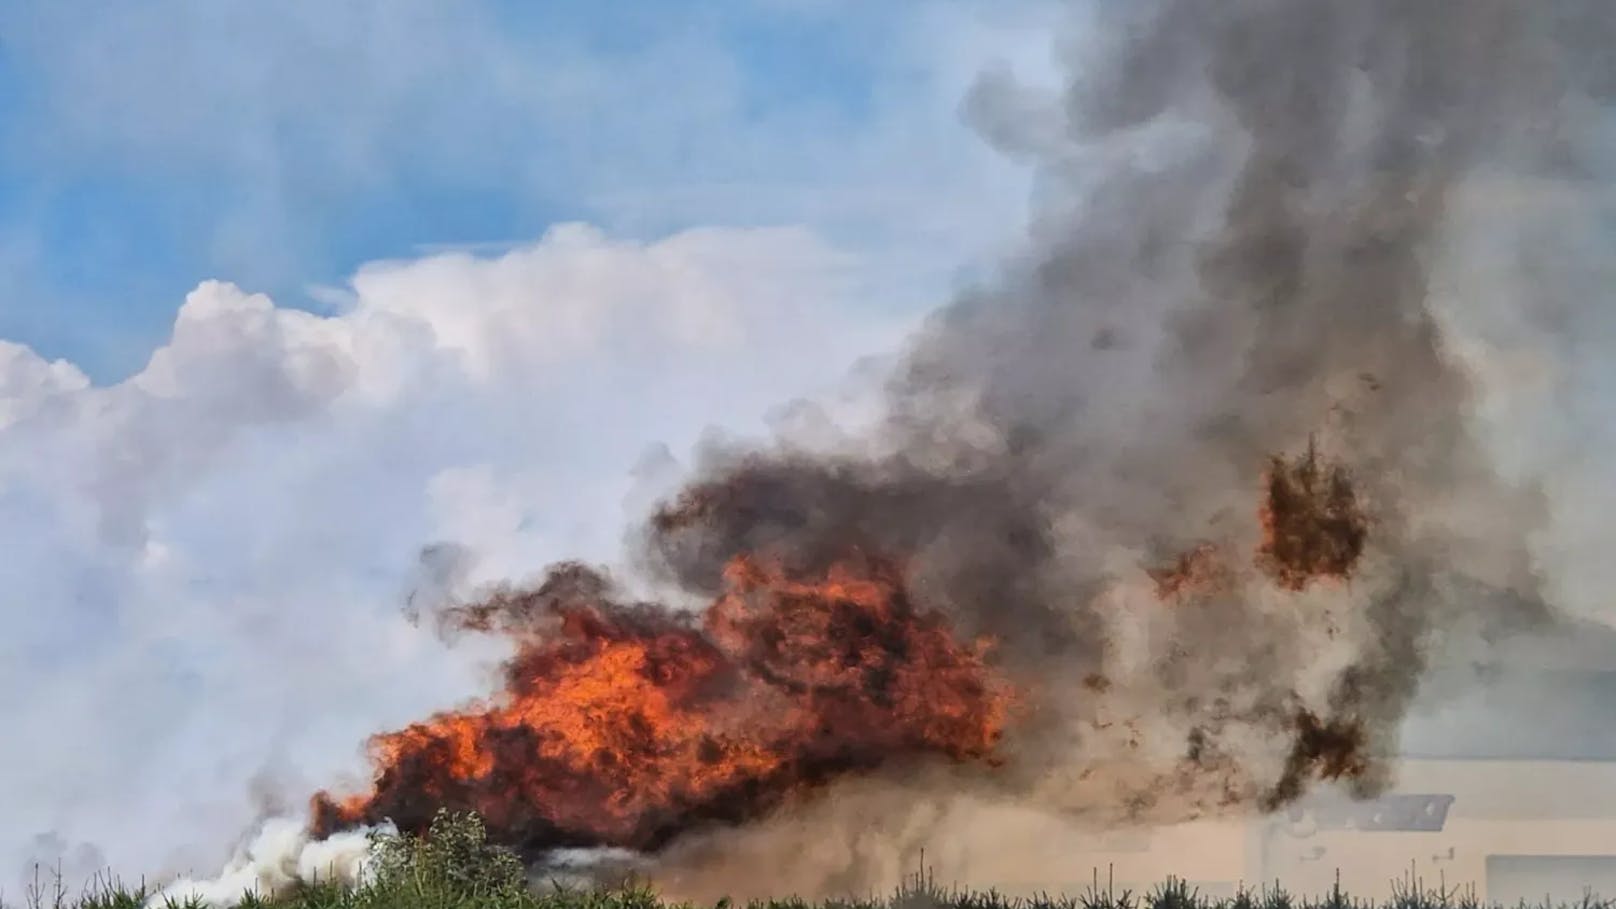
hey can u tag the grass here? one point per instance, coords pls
(454, 867)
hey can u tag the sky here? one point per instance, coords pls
(145, 147)
(309, 311)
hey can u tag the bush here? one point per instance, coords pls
(452, 864)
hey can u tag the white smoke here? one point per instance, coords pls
(279, 856)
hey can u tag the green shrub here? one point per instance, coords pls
(452, 864)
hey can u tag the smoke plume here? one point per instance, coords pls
(280, 854)
(1223, 344)
(1237, 363)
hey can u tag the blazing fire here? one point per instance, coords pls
(623, 724)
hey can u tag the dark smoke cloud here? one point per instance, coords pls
(1243, 204)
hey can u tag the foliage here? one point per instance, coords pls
(452, 864)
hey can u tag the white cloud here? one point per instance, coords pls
(207, 563)
(29, 383)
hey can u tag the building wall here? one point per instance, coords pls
(1511, 824)
(1510, 828)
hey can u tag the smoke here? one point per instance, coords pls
(279, 855)
(1267, 228)
(1248, 275)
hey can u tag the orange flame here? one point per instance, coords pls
(625, 724)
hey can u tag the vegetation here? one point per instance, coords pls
(455, 867)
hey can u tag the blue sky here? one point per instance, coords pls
(145, 147)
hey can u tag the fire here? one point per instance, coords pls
(628, 723)
(624, 724)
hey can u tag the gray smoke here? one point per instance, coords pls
(1244, 210)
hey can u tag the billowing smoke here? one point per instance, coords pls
(1253, 200)
(279, 855)
(1261, 222)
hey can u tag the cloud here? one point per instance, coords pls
(208, 563)
(274, 148)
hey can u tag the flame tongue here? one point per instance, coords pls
(623, 724)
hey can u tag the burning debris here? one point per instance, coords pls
(1334, 749)
(1313, 526)
(1199, 572)
(624, 724)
